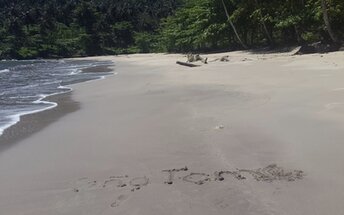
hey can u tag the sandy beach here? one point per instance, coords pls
(261, 134)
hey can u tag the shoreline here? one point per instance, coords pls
(29, 123)
(32, 123)
(255, 135)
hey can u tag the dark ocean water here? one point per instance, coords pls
(24, 85)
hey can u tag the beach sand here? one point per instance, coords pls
(260, 134)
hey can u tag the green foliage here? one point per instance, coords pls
(67, 28)
(202, 25)
(145, 42)
(195, 27)
(309, 37)
(25, 52)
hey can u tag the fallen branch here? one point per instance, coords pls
(187, 64)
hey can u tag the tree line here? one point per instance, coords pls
(67, 28)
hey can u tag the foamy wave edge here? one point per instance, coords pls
(14, 119)
(4, 70)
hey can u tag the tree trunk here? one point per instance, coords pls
(233, 27)
(327, 22)
(297, 33)
(264, 26)
(267, 33)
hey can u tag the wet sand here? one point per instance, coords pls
(260, 134)
(32, 123)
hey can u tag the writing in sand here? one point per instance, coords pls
(269, 173)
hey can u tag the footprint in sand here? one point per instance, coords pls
(120, 199)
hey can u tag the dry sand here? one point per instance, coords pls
(261, 134)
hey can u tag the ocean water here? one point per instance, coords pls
(25, 84)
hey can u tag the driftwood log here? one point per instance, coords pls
(187, 64)
(317, 47)
(222, 59)
(195, 58)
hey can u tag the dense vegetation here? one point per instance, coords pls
(65, 28)
(52, 28)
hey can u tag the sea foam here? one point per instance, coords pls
(4, 70)
(26, 90)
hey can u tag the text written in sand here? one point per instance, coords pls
(269, 173)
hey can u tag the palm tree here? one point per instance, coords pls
(233, 27)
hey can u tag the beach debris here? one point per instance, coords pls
(317, 47)
(246, 59)
(187, 64)
(219, 127)
(222, 59)
(296, 50)
(196, 57)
